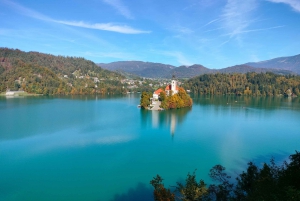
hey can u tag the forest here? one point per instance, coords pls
(175, 101)
(254, 84)
(47, 74)
(269, 182)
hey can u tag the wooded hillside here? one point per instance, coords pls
(35, 72)
(257, 84)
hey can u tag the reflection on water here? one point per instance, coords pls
(265, 103)
(165, 118)
(140, 192)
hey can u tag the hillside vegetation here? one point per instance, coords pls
(39, 73)
(256, 84)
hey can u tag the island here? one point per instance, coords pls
(172, 97)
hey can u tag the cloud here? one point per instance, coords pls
(210, 22)
(181, 29)
(99, 26)
(224, 43)
(295, 4)
(213, 29)
(237, 16)
(65, 139)
(255, 30)
(123, 10)
(104, 26)
(26, 11)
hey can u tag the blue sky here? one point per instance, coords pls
(214, 33)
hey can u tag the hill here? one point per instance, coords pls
(291, 63)
(251, 83)
(247, 69)
(283, 65)
(156, 70)
(140, 68)
(41, 73)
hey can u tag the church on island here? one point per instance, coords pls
(170, 89)
(170, 97)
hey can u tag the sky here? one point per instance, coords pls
(213, 33)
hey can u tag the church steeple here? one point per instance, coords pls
(173, 85)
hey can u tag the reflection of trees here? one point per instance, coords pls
(88, 97)
(166, 118)
(266, 103)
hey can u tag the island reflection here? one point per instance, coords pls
(164, 119)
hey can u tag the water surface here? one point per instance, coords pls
(105, 148)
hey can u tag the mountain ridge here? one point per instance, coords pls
(291, 63)
(280, 65)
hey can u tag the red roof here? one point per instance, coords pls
(158, 91)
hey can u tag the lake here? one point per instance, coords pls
(105, 148)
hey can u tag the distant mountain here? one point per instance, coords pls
(140, 68)
(291, 63)
(191, 71)
(284, 65)
(246, 69)
(156, 70)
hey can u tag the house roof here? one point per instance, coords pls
(158, 91)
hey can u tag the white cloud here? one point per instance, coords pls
(182, 29)
(26, 11)
(237, 16)
(210, 22)
(117, 4)
(295, 4)
(100, 26)
(255, 30)
(104, 26)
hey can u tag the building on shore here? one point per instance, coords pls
(14, 93)
(156, 93)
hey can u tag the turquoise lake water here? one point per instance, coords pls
(105, 148)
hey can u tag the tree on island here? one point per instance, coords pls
(171, 101)
(270, 182)
(176, 101)
(145, 100)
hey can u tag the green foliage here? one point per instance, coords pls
(47, 74)
(176, 101)
(145, 100)
(162, 96)
(160, 192)
(222, 190)
(192, 190)
(256, 84)
(270, 182)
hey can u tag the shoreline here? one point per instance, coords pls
(18, 94)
